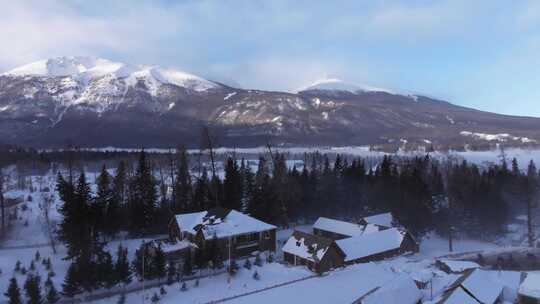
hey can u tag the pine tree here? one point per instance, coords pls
(119, 190)
(32, 289)
(52, 295)
(531, 201)
(142, 197)
(232, 185)
(13, 292)
(201, 195)
(183, 190)
(71, 286)
(247, 177)
(106, 206)
(142, 262)
(105, 269)
(121, 267)
(158, 263)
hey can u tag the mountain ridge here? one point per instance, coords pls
(97, 102)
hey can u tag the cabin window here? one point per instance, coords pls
(266, 235)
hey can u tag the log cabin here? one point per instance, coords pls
(233, 233)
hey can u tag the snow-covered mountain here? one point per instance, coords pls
(334, 84)
(98, 102)
(100, 83)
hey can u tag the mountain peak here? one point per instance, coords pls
(335, 84)
(85, 69)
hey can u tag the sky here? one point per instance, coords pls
(482, 54)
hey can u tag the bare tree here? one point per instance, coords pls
(208, 144)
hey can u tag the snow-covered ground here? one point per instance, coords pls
(523, 155)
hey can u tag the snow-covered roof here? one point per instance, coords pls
(340, 227)
(458, 266)
(307, 246)
(221, 223)
(475, 284)
(168, 247)
(382, 219)
(371, 243)
(531, 285)
(402, 288)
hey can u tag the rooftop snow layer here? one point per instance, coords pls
(402, 288)
(459, 266)
(383, 219)
(307, 246)
(339, 227)
(531, 285)
(234, 223)
(370, 244)
(482, 286)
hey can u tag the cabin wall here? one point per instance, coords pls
(243, 245)
(332, 259)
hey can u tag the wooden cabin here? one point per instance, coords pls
(377, 245)
(317, 253)
(235, 234)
